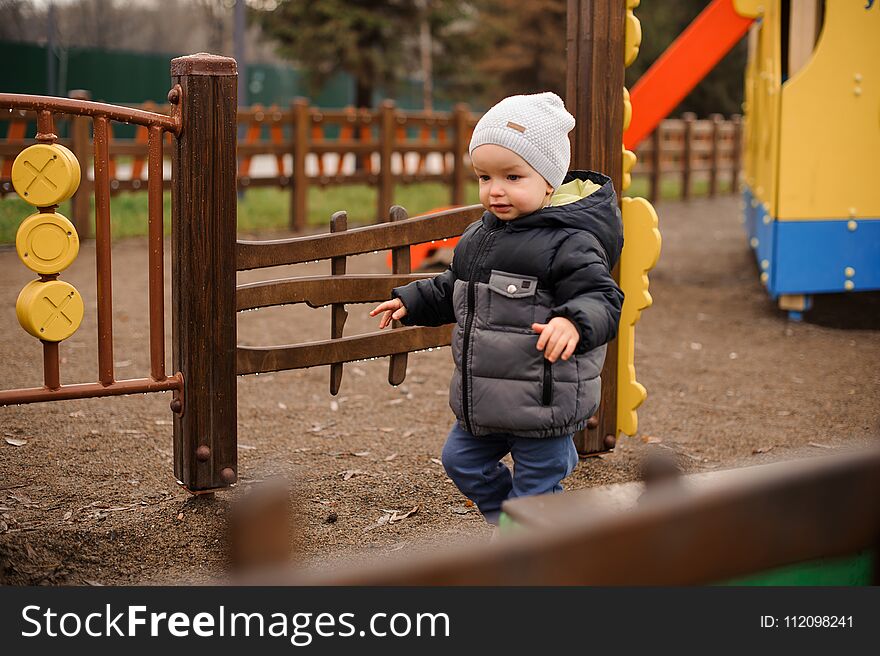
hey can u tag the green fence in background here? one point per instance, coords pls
(116, 76)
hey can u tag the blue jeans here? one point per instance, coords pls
(473, 464)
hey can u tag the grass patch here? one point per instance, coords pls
(267, 209)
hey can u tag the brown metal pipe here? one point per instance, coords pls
(51, 366)
(46, 127)
(89, 390)
(86, 108)
(156, 259)
(102, 252)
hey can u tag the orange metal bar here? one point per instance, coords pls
(15, 134)
(678, 70)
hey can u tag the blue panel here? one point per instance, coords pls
(812, 256)
(749, 212)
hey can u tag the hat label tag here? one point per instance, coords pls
(515, 126)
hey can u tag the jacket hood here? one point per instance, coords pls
(596, 213)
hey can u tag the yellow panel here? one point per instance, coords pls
(830, 141)
(641, 250)
(764, 107)
(45, 174)
(47, 243)
(749, 8)
(748, 157)
(627, 109)
(50, 310)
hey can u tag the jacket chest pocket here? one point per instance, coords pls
(512, 300)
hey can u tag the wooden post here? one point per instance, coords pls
(400, 263)
(338, 223)
(79, 134)
(713, 162)
(656, 163)
(687, 154)
(594, 83)
(299, 207)
(386, 149)
(737, 152)
(203, 271)
(460, 114)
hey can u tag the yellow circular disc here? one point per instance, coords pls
(45, 174)
(77, 173)
(49, 310)
(47, 243)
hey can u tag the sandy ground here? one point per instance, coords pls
(87, 493)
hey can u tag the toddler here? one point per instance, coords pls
(534, 303)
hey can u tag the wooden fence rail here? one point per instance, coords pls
(303, 146)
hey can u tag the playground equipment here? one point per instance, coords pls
(812, 211)
(205, 257)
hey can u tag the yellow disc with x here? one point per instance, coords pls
(47, 243)
(45, 174)
(51, 310)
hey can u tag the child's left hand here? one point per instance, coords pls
(557, 336)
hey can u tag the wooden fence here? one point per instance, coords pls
(304, 146)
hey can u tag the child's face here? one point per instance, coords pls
(509, 187)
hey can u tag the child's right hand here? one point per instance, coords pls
(392, 309)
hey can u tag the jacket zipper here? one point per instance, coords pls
(468, 324)
(547, 387)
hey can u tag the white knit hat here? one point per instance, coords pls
(535, 127)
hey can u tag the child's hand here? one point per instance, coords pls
(557, 336)
(393, 309)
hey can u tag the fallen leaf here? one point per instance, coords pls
(179, 517)
(360, 454)
(391, 457)
(820, 446)
(468, 504)
(15, 441)
(282, 405)
(650, 439)
(396, 517)
(78, 413)
(461, 510)
(348, 473)
(68, 515)
(247, 447)
(437, 461)
(386, 429)
(408, 433)
(21, 497)
(395, 401)
(763, 449)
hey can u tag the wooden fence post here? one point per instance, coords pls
(338, 223)
(460, 114)
(203, 271)
(594, 81)
(79, 135)
(299, 180)
(737, 152)
(713, 161)
(687, 154)
(656, 163)
(386, 149)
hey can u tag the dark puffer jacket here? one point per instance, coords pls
(504, 277)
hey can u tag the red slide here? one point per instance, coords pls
(678, 70)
